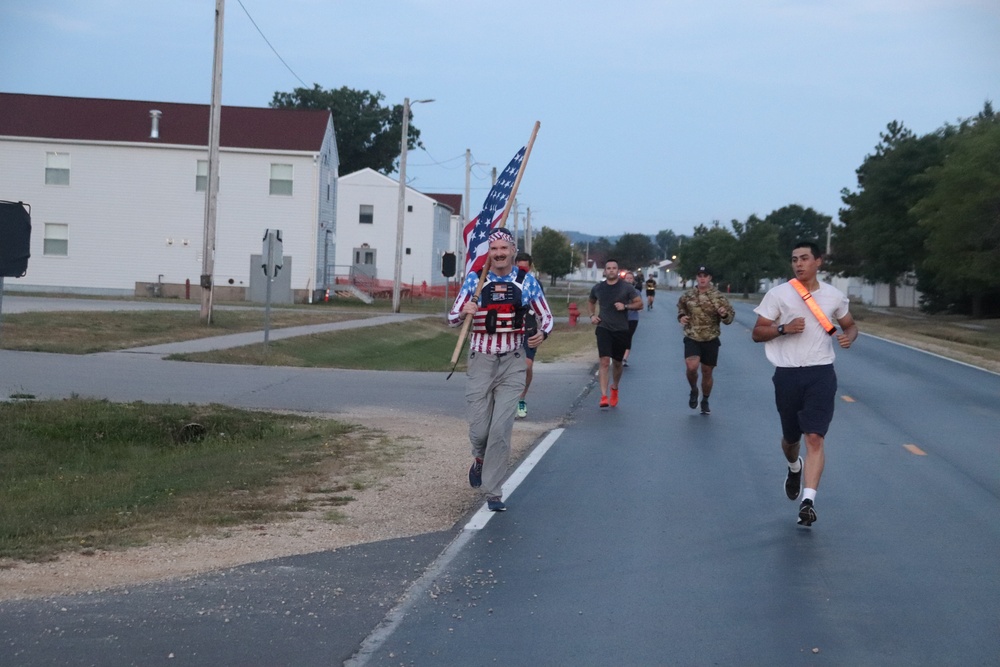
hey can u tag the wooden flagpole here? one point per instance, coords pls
(503, 222)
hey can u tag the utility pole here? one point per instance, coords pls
(404, 144)
(212, 195)
(459, 242)
(527, 231)
(513, 210)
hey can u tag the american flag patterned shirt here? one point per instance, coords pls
(501, 343)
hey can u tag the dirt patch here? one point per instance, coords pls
(427, 491)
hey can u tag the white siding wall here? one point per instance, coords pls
(370, 187)
(123, 203)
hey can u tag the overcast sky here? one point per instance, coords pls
(655, 114)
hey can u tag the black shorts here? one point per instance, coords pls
(707, 350)
(529, 352)
(612, 343)
(651, 292)
(805, 400)
(632, 326)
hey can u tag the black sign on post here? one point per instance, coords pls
(448, 264)
(15, 239)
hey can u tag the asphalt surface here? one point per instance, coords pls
(647, 534)
(306, 610)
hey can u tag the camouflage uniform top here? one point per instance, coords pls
(702, 309)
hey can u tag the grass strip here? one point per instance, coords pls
(85, 474)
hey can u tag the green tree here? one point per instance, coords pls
(552, 253)
(634, 251)
(714, 246)
(961, 217)
(368, 133)
(599, 251)
(666, 241)
(880, 239)
(795, 224)
(757, 254)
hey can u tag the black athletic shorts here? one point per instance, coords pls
(805, 399)
(632, 326)
(529, 352)
(612, 343)
(707, 350)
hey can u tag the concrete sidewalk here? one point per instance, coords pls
(252, 337)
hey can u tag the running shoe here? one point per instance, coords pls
(693, 399)
(495, 504)
(793, 483)
(604, 402)
(705, 410)
(614, 397)
(807, 513)
(522, 409)
(476, 474)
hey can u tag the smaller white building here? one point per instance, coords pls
(367, 220)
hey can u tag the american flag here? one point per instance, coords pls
(477, 231)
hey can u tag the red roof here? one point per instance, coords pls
(454, 202)
(88, 119)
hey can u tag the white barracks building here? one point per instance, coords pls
(117, 190)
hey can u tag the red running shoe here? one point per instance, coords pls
(614, 397)
(604, 402)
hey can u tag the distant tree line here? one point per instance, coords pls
(926, 209)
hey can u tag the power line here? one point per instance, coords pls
(245, 11)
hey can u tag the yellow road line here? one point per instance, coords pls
(913, 449)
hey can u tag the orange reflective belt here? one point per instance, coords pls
(820, 316)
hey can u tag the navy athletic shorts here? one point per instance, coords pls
(805, 399)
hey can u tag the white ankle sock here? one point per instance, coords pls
(809, 494)
(795, 467)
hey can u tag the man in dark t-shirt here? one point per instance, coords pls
(615, 297)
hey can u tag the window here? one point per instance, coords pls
(57, 168)
(367, 214)
(281, 179)
(56, 240)
(201, 176)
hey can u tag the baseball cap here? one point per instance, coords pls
(704, 269)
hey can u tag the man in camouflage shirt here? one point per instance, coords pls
(699, 310)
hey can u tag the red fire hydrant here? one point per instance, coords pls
(574, 313)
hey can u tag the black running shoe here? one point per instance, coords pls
(693, 399)
(476, 474)
(807, 513)
(705, 410)
(793, 483)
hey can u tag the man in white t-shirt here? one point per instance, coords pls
(799, 342)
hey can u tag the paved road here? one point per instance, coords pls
(645, 535)
(652, 535)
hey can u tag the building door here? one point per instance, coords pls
(364, 261)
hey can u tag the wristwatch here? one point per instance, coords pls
(781, 329)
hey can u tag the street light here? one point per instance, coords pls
(398, 273)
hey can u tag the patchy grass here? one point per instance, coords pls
(975, 342)
(420, 345)
(85, 474)
(99, 331)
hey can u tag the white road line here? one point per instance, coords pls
(933, 354)
(482, 517)
(374, 641)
